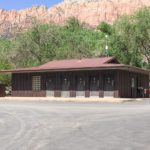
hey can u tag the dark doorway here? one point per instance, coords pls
(50, 86)
(139, 89)
(134, 87)
(80, 86)
(94, 85)
(109, 85)
(65, 83)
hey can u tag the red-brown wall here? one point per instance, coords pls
(123, 82)
(2, 90)
(22, 83)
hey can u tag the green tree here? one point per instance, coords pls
(131, 37)
(47, 42)
(36, 46)
(73, 24)
(5, 63)
(142, 34)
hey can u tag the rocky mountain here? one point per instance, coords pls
(91, 12)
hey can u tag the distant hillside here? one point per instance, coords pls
(91, 12)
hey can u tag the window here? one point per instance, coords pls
(36, 83)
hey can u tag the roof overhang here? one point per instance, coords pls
(105, 67)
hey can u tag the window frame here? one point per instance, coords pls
(36, 83)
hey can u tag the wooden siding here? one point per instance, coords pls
(22, 83)
(123, 83)
(2, 90)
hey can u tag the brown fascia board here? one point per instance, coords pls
(55, 70)
(135, 69)
(120, 67)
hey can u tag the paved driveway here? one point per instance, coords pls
(74, 126)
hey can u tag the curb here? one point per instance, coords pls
(82, 100)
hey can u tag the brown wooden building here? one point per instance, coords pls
(91, 77)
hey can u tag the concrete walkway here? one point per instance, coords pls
(108, 99)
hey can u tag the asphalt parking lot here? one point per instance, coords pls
(74, 126)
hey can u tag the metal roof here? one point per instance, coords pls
(76, 63)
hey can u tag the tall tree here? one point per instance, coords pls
(5, 63)
(142, 35)
(37, 45)
(131, 38)
(46, 42)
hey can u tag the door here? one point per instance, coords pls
(80, 86)
(50, 87)
(133, 87)
(65, 83)
(94, 86)
(109, 85)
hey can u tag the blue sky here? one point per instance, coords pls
(21, 4)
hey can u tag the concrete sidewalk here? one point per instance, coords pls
(77, 99)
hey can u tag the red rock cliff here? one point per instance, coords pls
(90, 11)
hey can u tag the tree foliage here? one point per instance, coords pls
(105, 28)
(5, 47)
(47, 42)
(130, 41)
